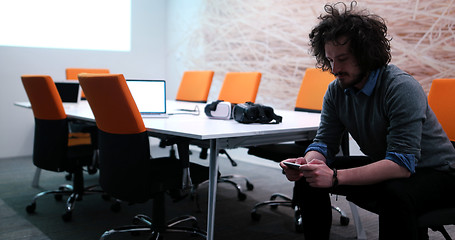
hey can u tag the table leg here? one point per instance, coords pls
(213, 179)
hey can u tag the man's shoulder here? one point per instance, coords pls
(392, 76)
(391, 71)
(396, 81)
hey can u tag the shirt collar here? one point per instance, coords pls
(369, 85)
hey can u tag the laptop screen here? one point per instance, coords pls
(69, 91)
(149, 95)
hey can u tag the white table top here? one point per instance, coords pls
(201, 127)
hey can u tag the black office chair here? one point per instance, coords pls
(55, 148)
(312, 90)
(127, 170)
(441, 101)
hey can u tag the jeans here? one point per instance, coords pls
(398, 202)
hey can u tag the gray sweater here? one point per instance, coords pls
(394, 119)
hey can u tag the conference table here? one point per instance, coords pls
(214, 134)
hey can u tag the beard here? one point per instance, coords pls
(345, 83)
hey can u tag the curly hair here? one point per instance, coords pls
(366, 33)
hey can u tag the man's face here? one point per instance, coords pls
(344, 64)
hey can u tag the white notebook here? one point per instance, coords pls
(150, 97)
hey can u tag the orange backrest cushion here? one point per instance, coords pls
(313, 88)
(240, 87)
(44, 97)
(441, 99)
(112, 103)
(71, 73)
(195, 86)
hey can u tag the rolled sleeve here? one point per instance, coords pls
(318, 147)
(404, 160)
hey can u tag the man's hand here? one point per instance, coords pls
(317, 174)
(293, 174)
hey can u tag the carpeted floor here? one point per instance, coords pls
(92, 216)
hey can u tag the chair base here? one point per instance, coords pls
(241, 196)
(287, 202)
(227, 178)
(143, 224)
(75, 193)
(58, 194)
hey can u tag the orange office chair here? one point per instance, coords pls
(238, 87)
(71, 74)
(440, 98)
(55, 148)
(194, 87)
(309, 99)
(127, 170)
(442, 102)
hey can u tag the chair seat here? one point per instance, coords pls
(79, 138)
(445, 216)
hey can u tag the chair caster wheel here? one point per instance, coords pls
(136, 221)
(68, 177)
(115, 207)
(255, 216)
(67, 216)
(203, 154)
(58, 197)
(249, 186)
(298, 221)
(106, 197)
(31, 208)
(344, 221)
(91, 170)
(241, 196)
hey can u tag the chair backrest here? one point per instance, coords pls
(112, 103)
(312, 90)
(240, 87)
(124, 150)
(44, 97)
(71, 73)
(195, 86)
(442, 101)
(51, 124)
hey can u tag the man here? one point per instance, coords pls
(409, 164)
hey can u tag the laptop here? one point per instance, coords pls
(70, 91)
(150, 97)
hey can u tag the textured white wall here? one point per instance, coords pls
(272, 37)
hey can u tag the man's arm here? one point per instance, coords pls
(372, 173)
(318, 174)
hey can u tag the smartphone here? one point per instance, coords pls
(292, 165)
